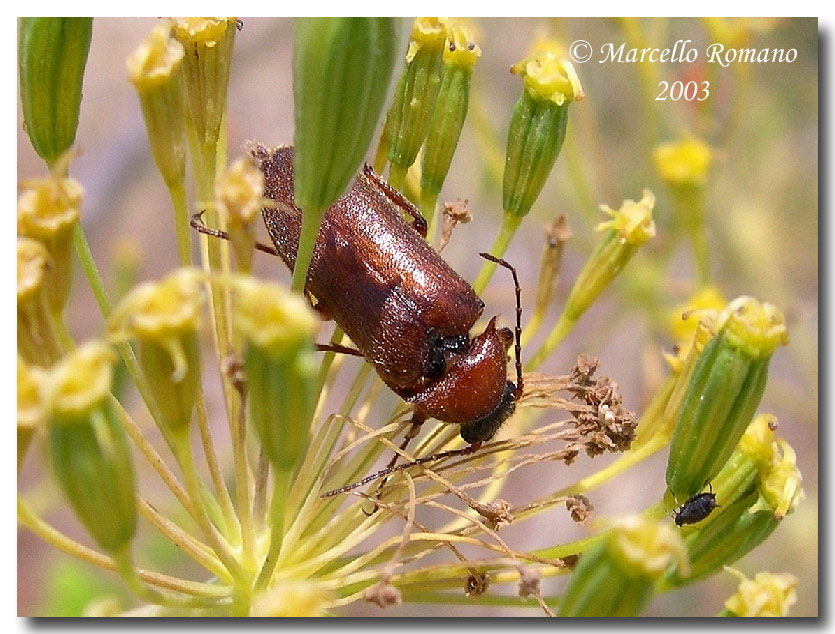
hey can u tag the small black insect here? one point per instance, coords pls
(696, 508)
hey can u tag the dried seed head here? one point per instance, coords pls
(767, 594)
(579, 507)
(683, 162)
(383, 594)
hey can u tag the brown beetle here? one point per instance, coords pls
(404, 308)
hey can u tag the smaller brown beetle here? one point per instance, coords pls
(696, 508)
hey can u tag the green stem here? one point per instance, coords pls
(557, 335)
(508, 229)
(185, 458)
(85, 256)
(177, 191)
(281, 487)
(311, 219)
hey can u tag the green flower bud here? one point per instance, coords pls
(280, 366)
(165, 317)
(207, 44)
(460, 54)
(47, 211)
(414, 98)
(767, 594)
(630, 227)
(156, 70)
(88, 447)
(341, 72)
(537, 127)
(616, 576)
(52, 55)
(723, 392)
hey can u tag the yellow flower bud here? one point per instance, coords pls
(547, 76)
(616, 575)
(780, 484)
(684, 162)
(165, 317)
(278, 328)
(47, 211)
(767, 594)
(208, 44)
(80, 384)
(756, 328)
(155, 69)
(633, 221)
(239, 194)
(30, 414)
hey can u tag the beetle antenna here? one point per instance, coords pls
(452, 453)
(518, 345)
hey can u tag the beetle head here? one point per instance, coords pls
(474, 392)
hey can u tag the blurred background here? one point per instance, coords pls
(762, 198)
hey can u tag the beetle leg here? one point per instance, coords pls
(198, 225)
(334, 347)
(414, 429)
(418, 221)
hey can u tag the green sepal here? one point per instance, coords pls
(52, 55)
(341, 72)
(724, 390)
(281, 397)
(445, 128)
(600, 587)
(175, 395)
(92, 462)
(414, 101)
(536, 134)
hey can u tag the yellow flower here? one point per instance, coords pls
(683, 162)
(549, 77)
(767, 594)
(633, 221)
